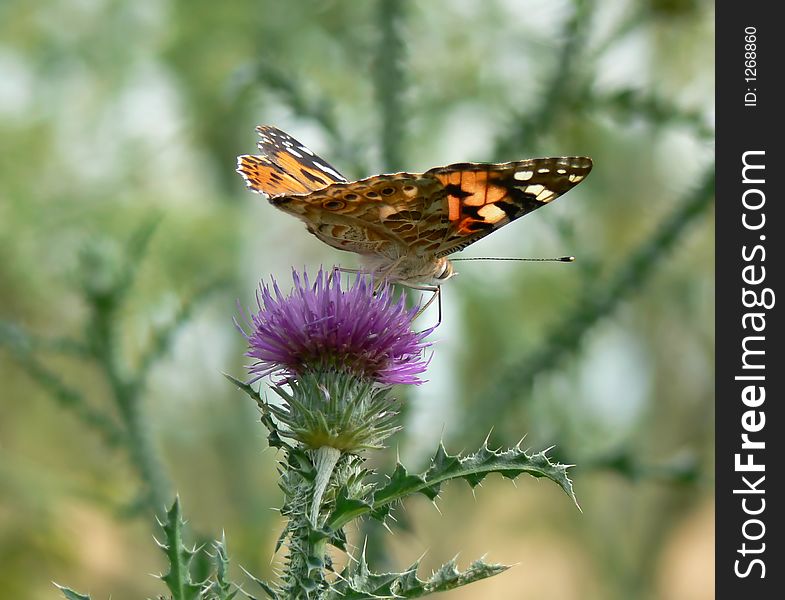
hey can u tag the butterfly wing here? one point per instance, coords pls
(385, 215)
(422, 216)
(481, 198)
(285, 166)
(436, 213)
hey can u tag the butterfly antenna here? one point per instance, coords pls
(556, 259)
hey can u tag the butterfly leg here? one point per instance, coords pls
(436, 294)
(337, 269)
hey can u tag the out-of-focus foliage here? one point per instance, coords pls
(117, 115)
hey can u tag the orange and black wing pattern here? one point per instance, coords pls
(425, 216)
(435, 213)
(481, 198)
(285, 166)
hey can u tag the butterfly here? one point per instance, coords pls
(404, 225)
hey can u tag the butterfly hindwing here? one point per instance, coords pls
(389, 215)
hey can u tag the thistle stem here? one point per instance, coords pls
(325, 460)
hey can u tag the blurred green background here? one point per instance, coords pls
(127, 239)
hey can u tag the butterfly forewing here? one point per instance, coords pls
(481, 198)
(285, 166)
(265, 177)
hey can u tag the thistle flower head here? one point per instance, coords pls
(321, 328)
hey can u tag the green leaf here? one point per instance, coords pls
(347, 508)
(274, 438)
(71, 594)
(266, 587)
(445, 467)
(359, 583)
(221, 588)
(400, 482)
(221, 561)
(448, 577)
(178, 579)
(248, 390)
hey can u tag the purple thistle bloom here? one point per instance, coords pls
(323, 328)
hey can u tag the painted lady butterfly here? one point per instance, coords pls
(404, 225)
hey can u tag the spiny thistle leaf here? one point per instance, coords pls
(178, 579)
(71, 594)
(445, 467)
(274, 437)
(448, 577)
(248, 390)
(221, 588)
(347, 508)
(266, 587)
(359, 583)
(299, 462)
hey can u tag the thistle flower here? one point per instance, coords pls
(337, 352)
(322, 328)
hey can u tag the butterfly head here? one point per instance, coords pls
(445, 271)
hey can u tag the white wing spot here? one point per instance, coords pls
(327, 169)
(543, 170)
(575, 178)
(293, 152)
(492, 213)
(523, 175)
(545, 196)
(561, 171)
(534, 189)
